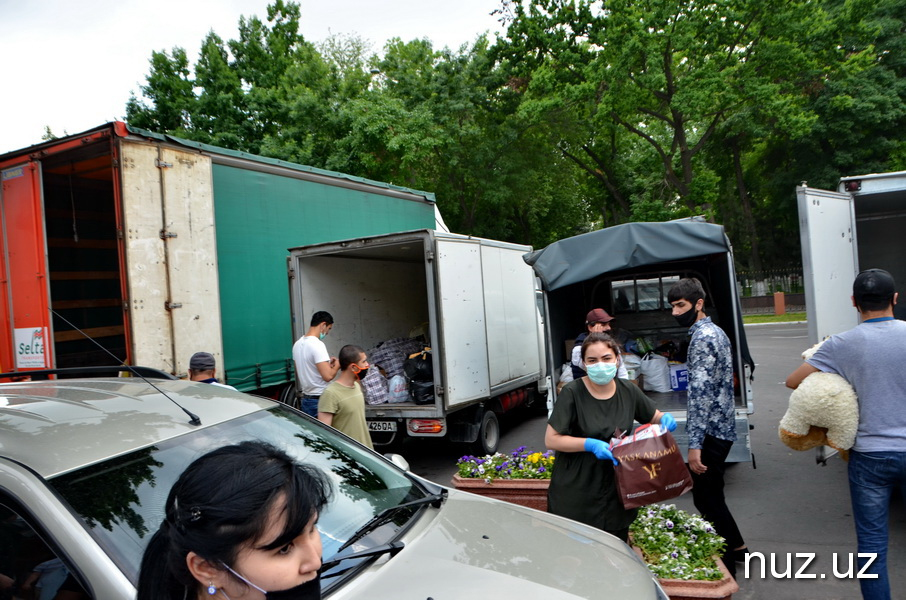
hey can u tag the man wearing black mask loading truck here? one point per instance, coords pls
(710, 417)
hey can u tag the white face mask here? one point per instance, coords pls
(601, 373)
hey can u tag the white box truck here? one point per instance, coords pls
(627, 270)
(474, 301)
(858, 226)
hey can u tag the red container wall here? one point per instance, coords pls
(25, 344)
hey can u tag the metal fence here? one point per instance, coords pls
(765, 283)
(757, 289)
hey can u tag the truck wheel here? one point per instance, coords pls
(288, 395)
(488, 434)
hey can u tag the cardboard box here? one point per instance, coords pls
(679, 377)
(568, 348)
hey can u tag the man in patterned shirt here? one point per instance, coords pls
(710, 416)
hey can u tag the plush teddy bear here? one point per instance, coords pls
(823, 411)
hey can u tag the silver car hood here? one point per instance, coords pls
(473, 548)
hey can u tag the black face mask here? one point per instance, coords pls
(687, 318)
(310, 590)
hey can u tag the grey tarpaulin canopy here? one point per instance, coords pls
(624, 246)
(620, 247)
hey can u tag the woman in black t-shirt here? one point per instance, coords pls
(586, 416)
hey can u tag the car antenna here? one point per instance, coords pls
(193, 418)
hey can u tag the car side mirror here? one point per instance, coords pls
(398, 460)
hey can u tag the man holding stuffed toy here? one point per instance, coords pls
(710, 416)
(870, 357)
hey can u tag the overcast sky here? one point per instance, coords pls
(71, 64)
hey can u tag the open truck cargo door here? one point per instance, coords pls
(25, 343)
(488, 346)
(171, 252)
(843, 232)
(829, 260)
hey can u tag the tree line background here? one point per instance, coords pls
(583, 114)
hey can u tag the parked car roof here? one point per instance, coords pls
(52, 426)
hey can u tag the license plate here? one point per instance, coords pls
(381, 425)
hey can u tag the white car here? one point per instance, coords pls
(86, 464)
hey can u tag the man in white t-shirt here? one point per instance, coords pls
(315, 368)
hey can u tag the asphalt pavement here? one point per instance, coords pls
(794, 512)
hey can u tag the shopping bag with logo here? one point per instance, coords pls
(398, 389)
(651, 467)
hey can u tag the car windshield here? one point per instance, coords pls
(121, 500)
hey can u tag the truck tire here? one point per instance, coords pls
(488, 434)
(288, 395)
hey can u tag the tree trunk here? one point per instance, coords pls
(746, 203)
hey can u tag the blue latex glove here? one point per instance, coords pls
(600, 449)
(668, 421)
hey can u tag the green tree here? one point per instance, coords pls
(668, 72)
(446, 121)
(846, 120)
(674, 107)
(220, 110)
(169, 89)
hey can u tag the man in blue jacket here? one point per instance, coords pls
(710, 416)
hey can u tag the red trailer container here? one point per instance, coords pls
(157, 247)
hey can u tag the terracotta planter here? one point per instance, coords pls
(525, 492)
(682, 589)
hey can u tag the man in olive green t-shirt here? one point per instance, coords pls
(342, 404)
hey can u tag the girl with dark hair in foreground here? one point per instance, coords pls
(240, 522)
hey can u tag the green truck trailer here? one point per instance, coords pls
(158, 247)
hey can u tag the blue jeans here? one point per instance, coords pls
(310, 405)
(872, 478)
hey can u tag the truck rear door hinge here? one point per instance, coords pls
(161, 164)
(164, 234)
(171, 305)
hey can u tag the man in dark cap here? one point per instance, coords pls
(596, 321)
(870, 357)
(201, 368)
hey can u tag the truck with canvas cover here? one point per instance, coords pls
(450, 324)
(157, 247)
(857, 226)
(627, 270)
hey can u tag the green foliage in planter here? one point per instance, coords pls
(677, 545)
(518, 464)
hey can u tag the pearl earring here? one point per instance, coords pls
(211, 589)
